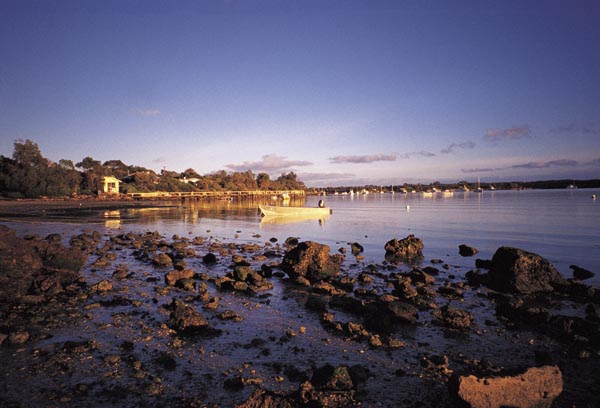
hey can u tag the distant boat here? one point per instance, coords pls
(278, 211)
(464, 189)
(478, 189)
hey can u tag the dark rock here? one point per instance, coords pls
(356, 248)
(242, 273)
(332, 378)
(592, 312)
(186, 319)
(35, 266)
(291, 241)
(171, 278)
(409, 249)
(230, 315)
(383, 317)
(453, 318)
(580, 273)
(102, 286)
(209, 258)
(475, 278)
(516, 270)
(466, 250)
(166, 361)
(431, 270)
(450, 291)
(121, 272)
(535, 388)
(162, 260)
(234, 383)
(404, 289)
(18, 337)
(402, 311)
(312, 261)
(419, 276)
(266, 399)
(483, 263)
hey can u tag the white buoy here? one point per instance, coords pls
(593, 196)
(408, 208)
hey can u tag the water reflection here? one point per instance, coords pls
(112, 219)
(194, 211)
(292, 219)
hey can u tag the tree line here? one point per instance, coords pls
(27, 174)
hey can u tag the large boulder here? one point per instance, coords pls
(409, 249)
(312, 261)
(515, 270)
(535, 388)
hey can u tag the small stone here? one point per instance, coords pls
(18, 337)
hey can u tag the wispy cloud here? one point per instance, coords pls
(454, 146)
(269, 163)
(515, 132)
(159, 160)
(595, 162)
(480, 170)
(532, 165)
(544, 165)
(364, 159)
(422, 153)
(148, 112)
(576, 128)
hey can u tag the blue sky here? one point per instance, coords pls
(340, 92)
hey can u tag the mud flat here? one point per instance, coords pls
(131, 319)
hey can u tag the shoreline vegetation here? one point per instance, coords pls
(28, 175)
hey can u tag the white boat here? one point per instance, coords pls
(279, 211)
(478, 189)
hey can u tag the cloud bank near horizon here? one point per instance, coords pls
(511, 133)
(458, 146)
(269, 163)
(561, 163)
(364, 158)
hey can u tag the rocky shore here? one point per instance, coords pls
(133, 319)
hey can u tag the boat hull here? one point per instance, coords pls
(279, 211)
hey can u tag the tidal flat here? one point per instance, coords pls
(194, 320)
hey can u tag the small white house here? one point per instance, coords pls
(110, 185)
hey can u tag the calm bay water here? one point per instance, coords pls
(561, 225)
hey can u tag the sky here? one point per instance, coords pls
(339, 92)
